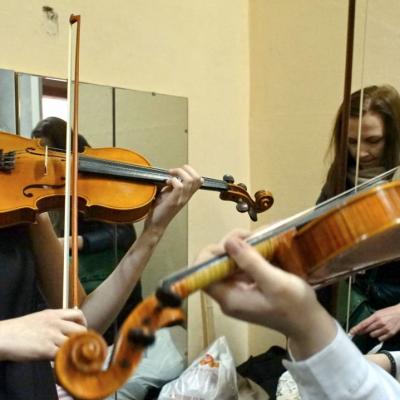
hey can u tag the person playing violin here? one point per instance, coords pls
(379, 152)
(31, 262)
(324, 362)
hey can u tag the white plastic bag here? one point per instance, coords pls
(212, 376)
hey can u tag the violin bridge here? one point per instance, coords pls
(7, 160)
(46, 156)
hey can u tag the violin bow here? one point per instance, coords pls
(340, 184)
(71, 179)
(346, 117)
(340, 162)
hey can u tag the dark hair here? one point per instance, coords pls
(383, 100)
(53, 129)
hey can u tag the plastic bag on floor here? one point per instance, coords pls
(211, 376)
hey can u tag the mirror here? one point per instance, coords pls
(147, 123)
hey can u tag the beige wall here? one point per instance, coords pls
(263, 79)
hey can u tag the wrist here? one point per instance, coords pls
(392, 366)
(153, 233)
(314, 333)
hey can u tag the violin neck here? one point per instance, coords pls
(189, 280)
(156, 176)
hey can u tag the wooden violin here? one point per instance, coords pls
(323, 245)
(114, 185)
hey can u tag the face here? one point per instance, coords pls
(372, 140)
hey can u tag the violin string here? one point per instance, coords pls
(152, 171)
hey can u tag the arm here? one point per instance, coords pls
(340, 372)
(383, 360)
(265, 295)
(103, 304)
(52, 327)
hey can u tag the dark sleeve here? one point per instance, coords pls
(101, 236)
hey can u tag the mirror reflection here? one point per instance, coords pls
(147, 123)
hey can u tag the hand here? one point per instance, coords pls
(79, 241)
(38, 336)
(173, 197)
(263, 294)
(382, 324)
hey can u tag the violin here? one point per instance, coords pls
(321, 245)
(115, 185)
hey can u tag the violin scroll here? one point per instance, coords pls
(79, 363)
(263, 199)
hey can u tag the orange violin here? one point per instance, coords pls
(114, 185)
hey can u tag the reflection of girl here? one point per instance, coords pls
(379, 152)
(31, 268)
(101, 245)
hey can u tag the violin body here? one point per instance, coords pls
(362, 232)
(35, 184)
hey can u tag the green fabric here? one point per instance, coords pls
(94, 268)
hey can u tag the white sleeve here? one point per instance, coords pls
(340, 372)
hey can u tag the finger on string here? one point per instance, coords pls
(181, 174)
(194, 174)
(174, 182)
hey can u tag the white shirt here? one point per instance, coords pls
(340, 372)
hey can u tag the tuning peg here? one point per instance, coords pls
(167, 298)
(139, 337)
(228, 179)
(242, 206)
(253, 214)
(243, 186)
